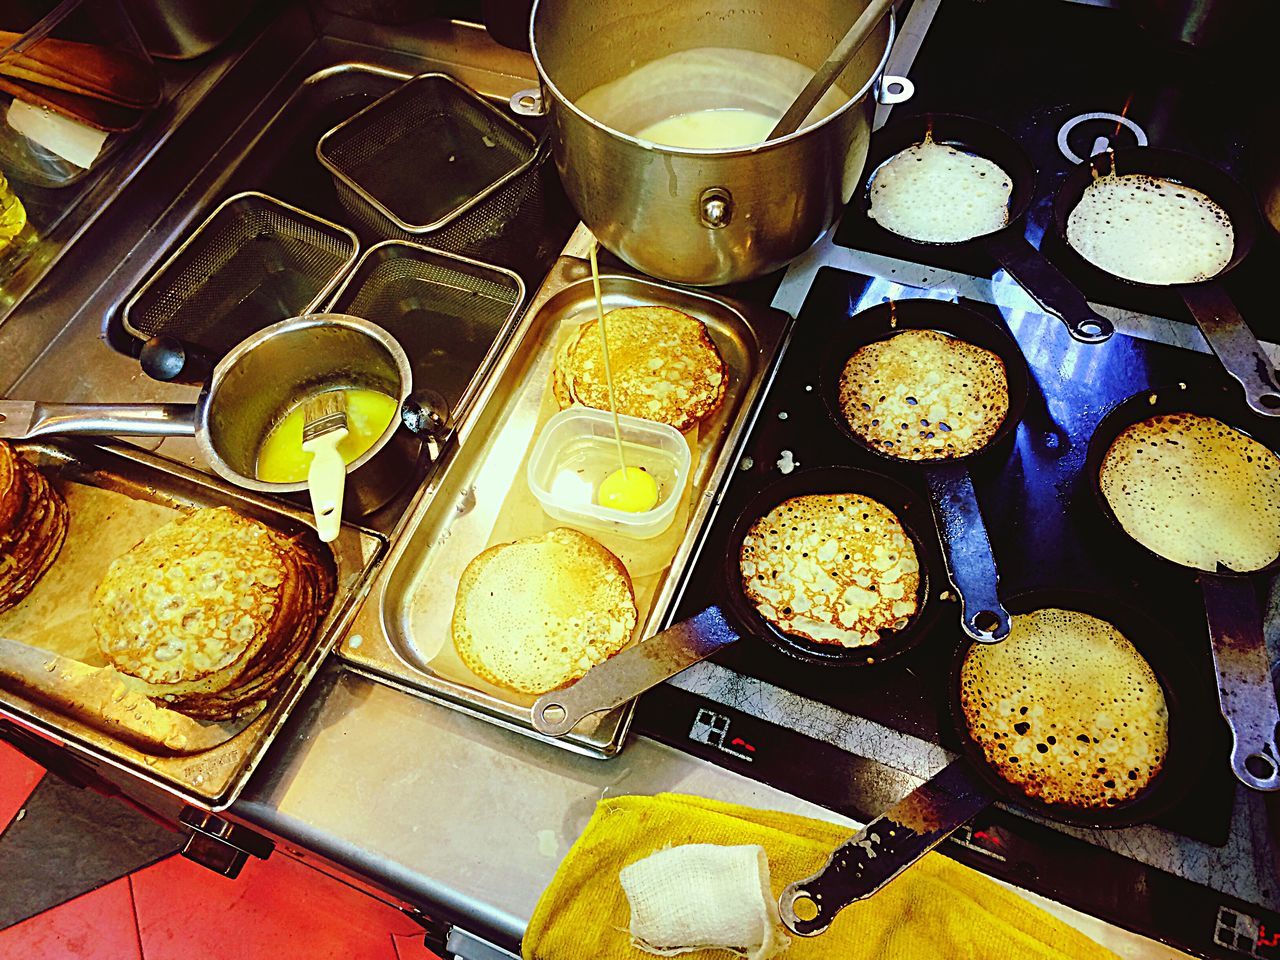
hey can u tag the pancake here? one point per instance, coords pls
(831, 568)
(922, 395)
(1150, 230)
(1066, 709)
(35, 531)
(665, 366)
(935, 193)
(537, 613)
(1195, 491)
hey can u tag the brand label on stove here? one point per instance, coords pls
(712, 729)
(1245, 934)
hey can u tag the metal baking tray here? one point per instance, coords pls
(213, 778)
(456, 511)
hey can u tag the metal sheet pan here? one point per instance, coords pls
(211, 779)
(457, 511)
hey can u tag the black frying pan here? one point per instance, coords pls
(933, 811)
(1223, 327)
(648, 663)
(1246, 694)
(966, 546)
(1040, 278)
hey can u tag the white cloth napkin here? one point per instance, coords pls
(703, 896)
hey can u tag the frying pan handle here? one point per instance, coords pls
(967, 552)
(633, 671)
(1236, 346)
(1048, 287)
(1246, 693)
(884, 848)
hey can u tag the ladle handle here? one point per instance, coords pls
(1048, 286)
(1235, 345)
(633, 671)
(967, 552)
(1246, 693)
(884, 848)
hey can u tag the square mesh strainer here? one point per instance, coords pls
(424, 154)
(450, 313)
(254, 261)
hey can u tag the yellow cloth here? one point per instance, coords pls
(937, 908)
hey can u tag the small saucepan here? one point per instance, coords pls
(1247, 696)
(650, 662)
(929, 814)
(966, 546)
(1226, 331)
(1009, 246)
(249, 389)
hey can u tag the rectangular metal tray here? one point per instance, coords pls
(454, 513)
(214, 778)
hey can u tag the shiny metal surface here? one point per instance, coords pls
(28, 419)
(211, 779)
(456, 512)
(647, 203)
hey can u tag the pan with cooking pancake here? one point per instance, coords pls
(967, 548)
(735, 615)
(1006, 244)
(929, 814)
(1246, 694)
(1226, 331)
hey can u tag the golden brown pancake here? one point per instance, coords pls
(665, 366)
(537, 613)
(922, 395)
(36, 530)
(1151, 230)
(1195, 491)
(831, 568)
(1066, 709)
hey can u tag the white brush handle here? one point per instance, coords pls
(326, 481)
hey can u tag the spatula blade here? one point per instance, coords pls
(16, 418)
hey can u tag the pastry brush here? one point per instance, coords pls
(324, 426)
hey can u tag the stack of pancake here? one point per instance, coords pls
(210, 612)
(665, 366)
(33, 524)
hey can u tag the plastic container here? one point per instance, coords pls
(576, 451)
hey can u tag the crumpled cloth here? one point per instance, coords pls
(935, 909)
(701, 895)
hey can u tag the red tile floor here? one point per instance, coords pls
(277, 909)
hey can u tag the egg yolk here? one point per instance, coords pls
(282, 459)
(630, 489)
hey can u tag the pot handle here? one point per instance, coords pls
(1246, 694)
(884, 848)
(888, 95)
(1048, 287)
(633, 671)
(966, 548)
(1235, 345)
(40, 419)
(529, 103)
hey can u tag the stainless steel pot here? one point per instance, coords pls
(703, 217)
(262, 378)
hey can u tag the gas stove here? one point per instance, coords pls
(1203, 877)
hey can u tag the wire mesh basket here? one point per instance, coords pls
(423, 155)
(254, 261)
(451, 314)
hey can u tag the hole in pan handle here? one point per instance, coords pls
(967, 551)
(1246, 693)
(884, 848)
(1235, 345)
(633, 671)
(1048, 287)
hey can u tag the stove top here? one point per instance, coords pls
(855, 740)
(1067, 81)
